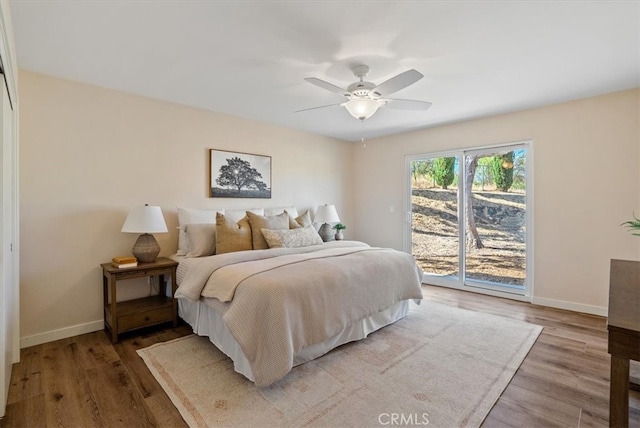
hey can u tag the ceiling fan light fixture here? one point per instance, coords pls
(362, 108)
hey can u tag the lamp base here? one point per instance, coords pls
(146, 248)
(326, 233)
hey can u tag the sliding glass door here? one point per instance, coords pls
(434, 215)
(469, 217)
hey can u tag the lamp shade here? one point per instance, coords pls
(362, 108)
(326, 214)
(145, 219)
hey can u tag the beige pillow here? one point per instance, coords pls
(232, 236)
(303, 220)
(292, 238)
(189, 216)
(258, 222)
(201, 239)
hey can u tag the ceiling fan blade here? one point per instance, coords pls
(315, 108)
(407, 104)
(396, 83)
(328, 86)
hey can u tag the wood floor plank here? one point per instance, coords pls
(113, 388)
(94, 350)
(26, 413)
(26, 377)
(560, 343)
(492, 422)
(68, 398)
(595, 420)
(517, 415)
(538, 404)
(591, 365)
(578, 396)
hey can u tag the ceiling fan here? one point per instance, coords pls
(364, 98)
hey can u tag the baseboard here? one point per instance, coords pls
(552, 303)
(90, 327)
(571, 306)
(62, 333)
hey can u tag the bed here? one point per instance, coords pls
(274, 308)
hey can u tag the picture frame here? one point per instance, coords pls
(239, 175)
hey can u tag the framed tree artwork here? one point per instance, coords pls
(240, 175)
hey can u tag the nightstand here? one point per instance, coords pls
(129, 315)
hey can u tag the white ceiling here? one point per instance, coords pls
(249, 58)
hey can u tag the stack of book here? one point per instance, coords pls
(124, 262)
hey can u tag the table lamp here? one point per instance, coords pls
(145, 220)
(326, 214)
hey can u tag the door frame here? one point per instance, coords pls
(461, 283)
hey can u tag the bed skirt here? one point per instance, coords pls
(206, 321)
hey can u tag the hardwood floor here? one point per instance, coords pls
(85, 381)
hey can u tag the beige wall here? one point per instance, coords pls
(586, 183)
(88, 154)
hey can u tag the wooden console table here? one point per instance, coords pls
(624, 336)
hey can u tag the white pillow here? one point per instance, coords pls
(270, 212)
(237, 215)
(292, 238)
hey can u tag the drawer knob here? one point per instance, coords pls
(146, 318)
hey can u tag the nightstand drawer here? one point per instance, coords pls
(143, 319)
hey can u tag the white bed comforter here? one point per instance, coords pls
(282, 300)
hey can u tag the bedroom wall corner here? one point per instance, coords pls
(89, 154)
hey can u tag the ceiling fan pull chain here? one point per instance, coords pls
(364, 145)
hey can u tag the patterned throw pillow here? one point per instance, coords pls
(292, 238)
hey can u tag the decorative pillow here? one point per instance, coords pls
(303, 220)
(258, 222)
(292, 238)
(201, 239)
(188, 216)
(275, 211)
(232, 236)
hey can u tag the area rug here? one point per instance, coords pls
(439, 366)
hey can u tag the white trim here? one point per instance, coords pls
(571, 306)
(477, 290)
(10, 281)
(530, 224)
(7, 52)
(62, 333)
